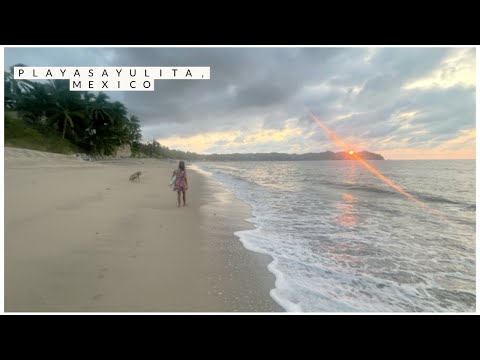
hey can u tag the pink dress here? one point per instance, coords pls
(180, 181)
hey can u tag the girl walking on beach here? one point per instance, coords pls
(181, 182)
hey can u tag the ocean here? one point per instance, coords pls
(342, 240)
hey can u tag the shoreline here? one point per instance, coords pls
(248, 269)
(265, 260)
(79, 237)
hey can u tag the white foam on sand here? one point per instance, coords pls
(320, 264)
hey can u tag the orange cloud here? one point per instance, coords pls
(460, 147)
(202, 142)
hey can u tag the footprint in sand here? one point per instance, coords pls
(97, 297)
(133, 256)
(138, 243)
(101, 273)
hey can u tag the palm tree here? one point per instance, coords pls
(13, 88)
(98, 108)
(34, 104)
(68, 106)
(135, 132)
(100, 117)
(90, 121)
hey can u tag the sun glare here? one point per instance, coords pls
(369, 167)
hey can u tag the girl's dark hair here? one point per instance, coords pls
(181, 165)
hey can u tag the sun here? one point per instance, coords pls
(351, 152)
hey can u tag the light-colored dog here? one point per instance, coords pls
(135, 176)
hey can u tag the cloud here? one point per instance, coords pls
(457, 69)
(379, 99)
(210, 142)
(462, 146)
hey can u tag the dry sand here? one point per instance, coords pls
(80, 237)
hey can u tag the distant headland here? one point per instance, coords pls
(274, 156)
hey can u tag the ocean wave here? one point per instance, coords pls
(331, 253)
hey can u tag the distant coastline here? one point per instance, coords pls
(274, 156)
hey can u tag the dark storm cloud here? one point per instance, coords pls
(357, 91)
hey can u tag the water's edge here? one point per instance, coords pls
(264, 259)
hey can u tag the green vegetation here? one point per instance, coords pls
(47, 116)
(50, 117)
(154, 149)
(19, 134)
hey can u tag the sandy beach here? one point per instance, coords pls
(80, 237)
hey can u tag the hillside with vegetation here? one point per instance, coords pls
(47, 116)
(155, 149)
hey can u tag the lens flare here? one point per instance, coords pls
(369, 167)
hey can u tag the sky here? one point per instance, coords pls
(404, 103)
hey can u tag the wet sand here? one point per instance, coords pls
(80, 237)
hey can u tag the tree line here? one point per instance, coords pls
(92, 122)
(98, 125)
(155, 149)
